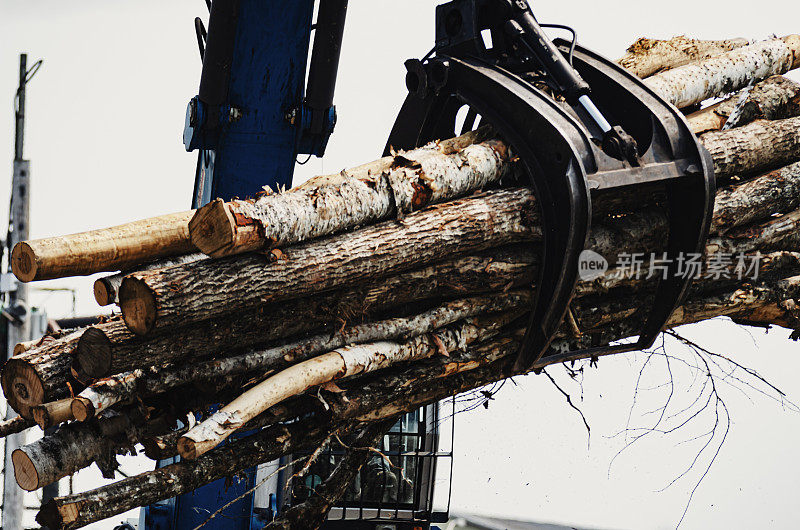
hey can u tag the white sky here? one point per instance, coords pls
(104, 123)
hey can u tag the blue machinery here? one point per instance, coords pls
(607, 131)
(253, 115)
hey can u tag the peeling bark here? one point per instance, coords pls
(726, 73)
(772, 99)
(414, 180)
(15, 425)
(646, 57)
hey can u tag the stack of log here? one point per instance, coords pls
(356, 297)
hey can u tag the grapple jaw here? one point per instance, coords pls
(564, 158)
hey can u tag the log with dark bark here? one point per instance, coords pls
(41, 374)
(15, 425)
(106, 289)
(772, 99)
(110, 348)
(646, 57)
(108, 249)
(202, 290)
(127, 386)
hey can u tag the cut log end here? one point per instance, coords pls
(93, 354)
(55, 515)
(25, 471)
(138, 304)
(104, 292)
(82, 409)
(213, 229)
(190, 449)
(24, 264)
(22, 387)
(51, 414)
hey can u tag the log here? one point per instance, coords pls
(108, 249)
(382, 395)
(51, 414)
(414, 180)
(22, 347)
(14, 425)
(106, 289)
(340, 363)
(74, 446)
(754, 148)
(693, 83)
(41, 374)
(100, 396)
(772, 99)
(202, 290)
(777, 191)
(110, 348)
(128, 385)
(646, 57)
(448, 279)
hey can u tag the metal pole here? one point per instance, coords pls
(18, 329)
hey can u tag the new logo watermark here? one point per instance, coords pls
(720, 265)
(591, 265)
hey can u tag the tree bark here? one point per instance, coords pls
(726, 73)
(343, 362)
(41, 374)
(202, 290)
(110, 348)
(774, 98)
(646, 57)
(106, 289)
(754, 148)
(15, 425)
(127, 386)
(777, 191)
(414, 180)
(108, 249)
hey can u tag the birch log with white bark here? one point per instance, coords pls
(340, 363)
(686, 85)
(646, 57)
(108, 249)
(772, 99)
(202, 290)
(415, 179)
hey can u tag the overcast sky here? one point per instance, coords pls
(105, 117)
